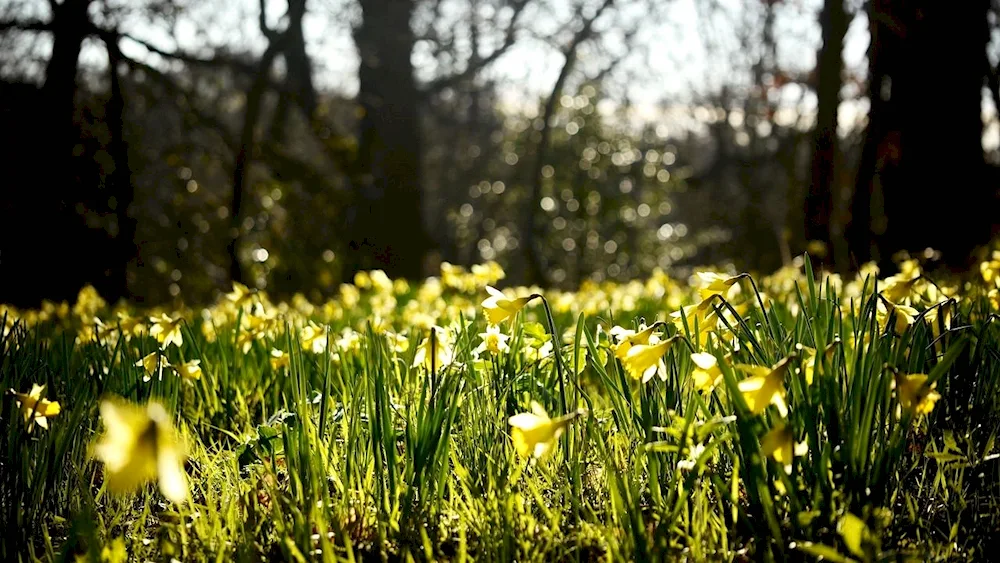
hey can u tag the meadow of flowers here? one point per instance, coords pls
(795, 416)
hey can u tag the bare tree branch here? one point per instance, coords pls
(476, 64)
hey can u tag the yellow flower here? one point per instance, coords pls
(642, 361)
(706, 373)
(499, 308)
(715, 284)
(153, 364)
(140, 445)
(240, 295)
(901, 316)
(765, 386)
(779, 444)
(914, 394)
(33, 406)
(166, 330)
(534, 433)
(313, 338)
(279, 359)
(442, 353)
(854, 532)
(626, 338)
(189, 370)
(493, 340)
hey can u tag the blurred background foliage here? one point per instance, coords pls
(163, 148)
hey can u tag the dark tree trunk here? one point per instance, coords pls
(386, 220)
(123, 241)
(40, 203)
(830, 63)
(923, 181)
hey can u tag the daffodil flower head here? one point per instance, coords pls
(765, 386)
(498, 307)
(706, 373)
(914, 394)
(279, 359)
(153, 364)
(34, 407)
(643, 361)
(625, 338)
(436, 354)
(166, 330)
(534, 433)
(892, 314)
(139, 444)
(189, 370)
(494, 341)
(716, 284)
(779, 444)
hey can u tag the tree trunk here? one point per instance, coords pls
(923, 181)
(41, 202)
(830, 63)
(386, 219)
(123, 241)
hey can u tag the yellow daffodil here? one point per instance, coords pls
(240, 295)
(166, 330)
(153, 364)
(765, 386)
(715, 284)
(498, 307)
(854, 531)
(442, 354)
(779, 444)
(494, 341)
(279, 359)
(139, 445)
(534, 433)
(189, 370)
(34, 407)
(642, 361)
(914, 394)
(626, 338)
(990, 269)
(706, 373)
(313, 338)
(809, 359)
(898, 316)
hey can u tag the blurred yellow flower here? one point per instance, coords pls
(34, 407)
(139, 445)
(499, 308)
(914, 394)
(779, 444)
(240, 295)
(279, 359)
(706, 373)
(189, 370)
(534, 433)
